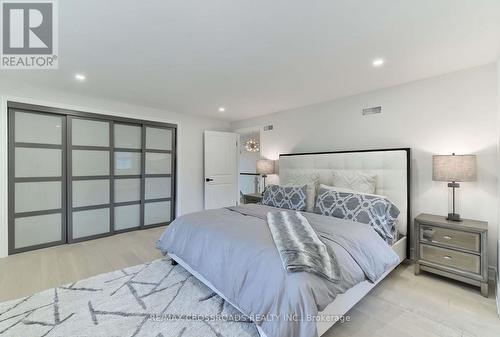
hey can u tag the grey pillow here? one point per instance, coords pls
(379, 213)
(290, 197)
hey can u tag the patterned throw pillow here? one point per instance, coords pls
(379, 213)
(290, 197)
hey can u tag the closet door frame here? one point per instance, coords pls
(67, 170)
(12, 180)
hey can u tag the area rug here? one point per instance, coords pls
(154, 299)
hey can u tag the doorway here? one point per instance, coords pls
(250, 152)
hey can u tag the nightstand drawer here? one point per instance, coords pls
(450, 237)
(450, 258)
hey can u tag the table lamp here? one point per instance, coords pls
(265, 167)
(454, 169)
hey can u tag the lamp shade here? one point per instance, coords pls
(265, 166)
(454, 168)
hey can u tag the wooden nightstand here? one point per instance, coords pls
(252, 198)
(457, 250)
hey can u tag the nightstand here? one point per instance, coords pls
(252, 198)
(456, 250)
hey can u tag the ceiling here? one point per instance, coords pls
(258, 56)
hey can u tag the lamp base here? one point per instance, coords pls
(454, 217)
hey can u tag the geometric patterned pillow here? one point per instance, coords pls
(289, 197)
(379, 213)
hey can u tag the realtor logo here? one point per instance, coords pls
(29, 34)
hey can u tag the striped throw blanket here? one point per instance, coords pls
(300, 248)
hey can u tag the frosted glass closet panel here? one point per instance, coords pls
(158, 139)
(32, 162)
(128, 136)
(36, 179)
(156, 213)
(127, 163)
(157, 188)
(127, 190)
(37, 196)
(128, 171)
(90, 192)
(90, 132)
(91, 178)
(90, 223)
(38, 128)
(158, 163)
(37, 230)
(127, 217)
(90, 163)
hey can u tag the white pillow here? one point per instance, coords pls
(358, 181)
(346, 190)
(297, 177)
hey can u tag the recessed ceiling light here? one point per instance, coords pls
(222, 109)
(378, 62)
(80, 77)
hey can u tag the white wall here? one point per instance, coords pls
(498, 172)
(441, 115)
(248, 160)
(190, 140)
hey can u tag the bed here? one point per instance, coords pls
(237, 240)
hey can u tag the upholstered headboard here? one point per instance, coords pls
(392, 167)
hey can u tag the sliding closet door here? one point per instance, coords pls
(89, 185)
(158, 179)
(37, 175)
(128, 171)
(75, 176)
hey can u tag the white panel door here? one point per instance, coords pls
(221, 169)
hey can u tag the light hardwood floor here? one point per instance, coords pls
(403, 305)
(26, 273)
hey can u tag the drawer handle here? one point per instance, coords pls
(447, 237)
(447, 257)
(428, 234)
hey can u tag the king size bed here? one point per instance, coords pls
(234, 250)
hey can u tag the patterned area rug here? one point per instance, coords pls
(154, 299)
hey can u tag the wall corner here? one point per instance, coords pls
(3, 179)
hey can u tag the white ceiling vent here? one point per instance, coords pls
(372, 110)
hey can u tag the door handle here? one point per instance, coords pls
(208, 180)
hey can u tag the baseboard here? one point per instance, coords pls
(498, 296)
(494, 280)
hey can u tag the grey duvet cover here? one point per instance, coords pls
(233, 249)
